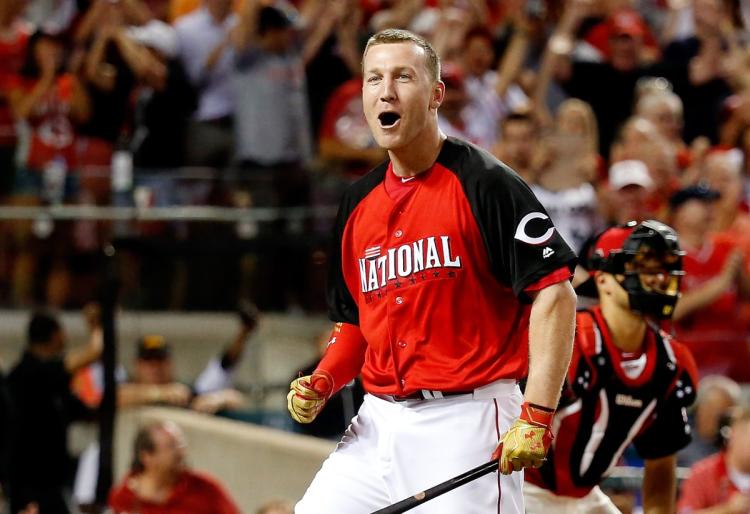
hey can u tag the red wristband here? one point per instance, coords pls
(537, 414)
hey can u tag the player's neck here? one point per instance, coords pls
(419, 155)
(626, 327)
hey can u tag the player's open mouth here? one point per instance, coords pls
(389, 119)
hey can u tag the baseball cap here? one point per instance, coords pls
(153, 347)
(601, 246)
(626, 22)
(629, 173)
(694, 192)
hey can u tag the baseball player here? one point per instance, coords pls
(448, 283)
(628, 381)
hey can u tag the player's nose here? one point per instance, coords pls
(387, 90)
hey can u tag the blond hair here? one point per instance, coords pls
(394, 36)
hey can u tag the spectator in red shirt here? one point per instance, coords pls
(720, 484)
(707, 317)
(159, 481)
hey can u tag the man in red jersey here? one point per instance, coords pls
(160, 483)
(628, 381)
(448, 284)
(709, 318)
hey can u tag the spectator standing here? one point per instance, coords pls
(627, 192)
(166, 101)
(160, 482)
(272, 126)
(722, 171)
(703, 58)
(714, 285)
(273, 137)
(490, 96)
(43, 408)
(721, 483)
(518, 145)
(625, 64)
(207, 55)
(47, 102)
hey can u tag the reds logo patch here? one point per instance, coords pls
(522, 231)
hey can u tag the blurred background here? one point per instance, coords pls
(170, 172)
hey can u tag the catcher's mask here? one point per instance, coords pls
(646, 260)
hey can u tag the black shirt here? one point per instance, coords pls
(43, 408)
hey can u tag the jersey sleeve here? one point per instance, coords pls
(522, 243)
(670, 431)
(341, 305)
(342, 308)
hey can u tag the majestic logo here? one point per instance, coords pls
(377, 269)
(628, 401)
(547, 252)
(523, 235)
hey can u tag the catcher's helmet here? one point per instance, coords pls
(646, 260)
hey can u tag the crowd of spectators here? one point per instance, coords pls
(611, 110)
(266, 94)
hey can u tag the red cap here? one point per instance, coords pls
(612, 239)
(626, 22)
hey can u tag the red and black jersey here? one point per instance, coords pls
(612, 401)
(434, 276)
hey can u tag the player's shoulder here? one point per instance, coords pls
(680, 353)
(363, 186)
(472, 163)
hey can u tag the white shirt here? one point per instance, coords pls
(485, 109)
(198, 35)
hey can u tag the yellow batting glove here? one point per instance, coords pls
(526, 442)
(308, 395)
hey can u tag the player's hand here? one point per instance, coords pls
(308, 395)
(526, 442)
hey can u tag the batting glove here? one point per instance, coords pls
(308, 395)
(526, 442)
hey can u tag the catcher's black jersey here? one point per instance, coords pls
(612, 400)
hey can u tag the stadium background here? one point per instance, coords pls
(140, 149)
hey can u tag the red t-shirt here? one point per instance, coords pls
(195, 493)
(707, 486)
(436, 280)
(52, 133)
(716, 334)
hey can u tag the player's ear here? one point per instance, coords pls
(438, 94)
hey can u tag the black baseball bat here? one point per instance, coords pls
(441, 488)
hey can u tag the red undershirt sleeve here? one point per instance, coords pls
(559, 275)
(345, 354)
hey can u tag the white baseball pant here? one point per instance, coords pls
(393, 450)
(542, 501)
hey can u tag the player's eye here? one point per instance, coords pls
(373, 79)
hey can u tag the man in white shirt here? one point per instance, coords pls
(208, 58)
